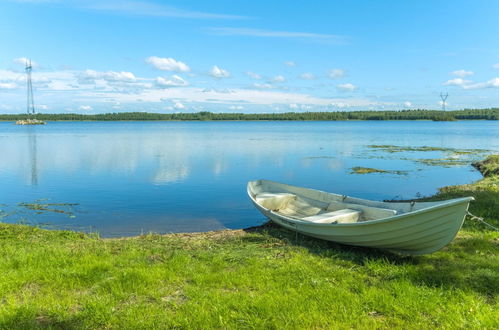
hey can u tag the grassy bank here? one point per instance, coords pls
(264, 277)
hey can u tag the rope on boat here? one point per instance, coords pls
(474, 217)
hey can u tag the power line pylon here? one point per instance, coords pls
(444, 98)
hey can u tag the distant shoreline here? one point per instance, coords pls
(413, 115)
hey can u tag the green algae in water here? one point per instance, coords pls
(367, 170)
(449, 156)
(392, 149)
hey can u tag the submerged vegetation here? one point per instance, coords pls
(367, 170)
(265, 277)
(467, 114)
(449, 156)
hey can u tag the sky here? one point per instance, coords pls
(100, 56)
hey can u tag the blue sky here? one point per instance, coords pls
(94, 56)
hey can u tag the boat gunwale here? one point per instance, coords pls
(444, 204)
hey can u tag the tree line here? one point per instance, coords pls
(436, 115)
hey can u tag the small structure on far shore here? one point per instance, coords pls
(30, 122)
(31, 101)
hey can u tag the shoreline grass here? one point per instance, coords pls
(262, 277)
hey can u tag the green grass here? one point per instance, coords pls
(264, 277)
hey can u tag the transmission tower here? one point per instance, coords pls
(444, 98)
(31, 101)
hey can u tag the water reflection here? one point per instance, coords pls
(163, 177)
(33, 155)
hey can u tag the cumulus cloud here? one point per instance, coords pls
(24, 60)
(462, 73)
(307, 76)
(263, 86)
(492, 83)
(290, 63)
(174, 81)
(496, 66)
(253, 75)
(293, 106)
(279, 79)
(466, 84)
(407, 104)
(8, 85)
(236, 107)
(179, 106)
(336, 73)
(456, 82)
(90, 76)
(348, 87)
(219, 72)
(85, 107)
(167, 64)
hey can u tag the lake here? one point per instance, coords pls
(128, 178)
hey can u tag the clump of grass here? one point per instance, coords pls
(485, 191)
(367, 170)
(488, 167)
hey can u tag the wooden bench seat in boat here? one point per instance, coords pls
(339, 216)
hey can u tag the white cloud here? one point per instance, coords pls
(174, 81)
(336, 73)
(407, 104)
(167, 64)
(307, 76)
(492, 83)
(42, 107)
(90, 76)
(462, 73)
(236, 107)
(134, 7)
(8, 85)
(456, 82)
(253, 75)
(340, 105)
(179, 106)
(348, 87)
(230, 31)
(85, 107)
(279, 78)
(263, 86)
(466, 84)
(290, 63)
(293, 106)
(24, 60)
(213, 96)
(218, 72)
(496, 66)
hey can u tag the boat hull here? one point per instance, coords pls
(414, 233)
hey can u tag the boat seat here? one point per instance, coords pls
(339, 216)
(368, 212)
(274, 201)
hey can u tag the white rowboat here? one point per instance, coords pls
(412, 228)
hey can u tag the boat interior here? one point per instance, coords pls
(321, 207)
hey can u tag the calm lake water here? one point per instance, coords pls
(129, 178)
